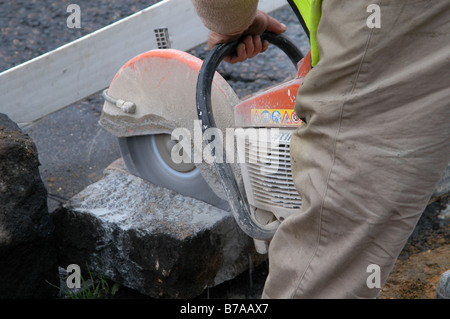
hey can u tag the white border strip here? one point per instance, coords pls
(86, 66)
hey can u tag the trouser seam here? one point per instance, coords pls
(319, 235)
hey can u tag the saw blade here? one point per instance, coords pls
(148, 157)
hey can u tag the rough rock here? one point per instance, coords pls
(149, 238)
(443, 187)
(27, 251)
(443, 288)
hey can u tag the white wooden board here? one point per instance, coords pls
(81, 68)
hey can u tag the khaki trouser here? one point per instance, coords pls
(373, 148)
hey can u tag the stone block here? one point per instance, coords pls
(149, 238)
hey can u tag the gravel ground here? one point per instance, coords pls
(74, 149)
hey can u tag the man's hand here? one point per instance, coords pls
(251, 43)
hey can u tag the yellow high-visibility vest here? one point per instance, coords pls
(309, 13)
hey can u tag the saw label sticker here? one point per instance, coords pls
(286, 118)
(276, 117)
(282, 117)
(265, 117)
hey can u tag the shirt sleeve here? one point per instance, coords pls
(228, 17)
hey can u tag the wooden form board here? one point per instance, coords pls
(86, 66)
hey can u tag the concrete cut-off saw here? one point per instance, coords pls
(171, 113)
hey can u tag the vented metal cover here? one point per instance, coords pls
(267, 174)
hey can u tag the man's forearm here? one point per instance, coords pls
(228, 17)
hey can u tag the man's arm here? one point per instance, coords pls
(230, 17)
(230, 20)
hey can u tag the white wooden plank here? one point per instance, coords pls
(81, 68)
(271, 5)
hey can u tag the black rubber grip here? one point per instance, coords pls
(236, 200)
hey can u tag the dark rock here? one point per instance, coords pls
(27, 251)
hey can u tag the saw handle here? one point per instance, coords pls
(236, 200)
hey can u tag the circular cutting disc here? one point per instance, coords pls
(149, 157)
